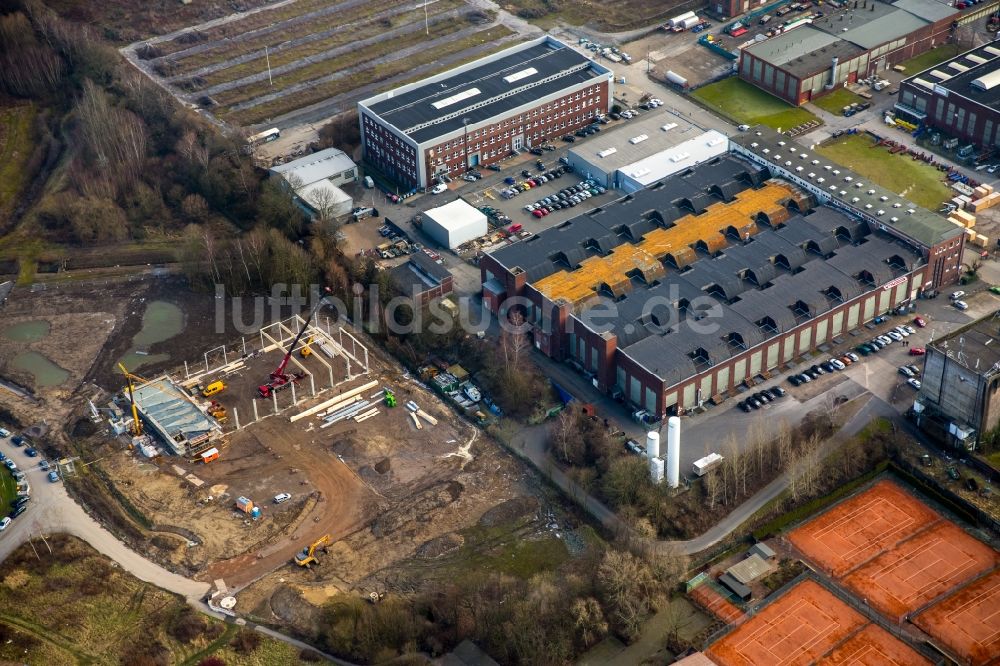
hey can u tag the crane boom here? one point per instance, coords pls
(278, 378)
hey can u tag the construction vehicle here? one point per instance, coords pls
(213, 388)
(307, 351)
(307, 557)
(390, 398)
(217, 411)
(129, 377)
(279, 379)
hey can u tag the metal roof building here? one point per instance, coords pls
(174, 416)
(961, 96)
(331, 165)
(844, 45)
(481, 111)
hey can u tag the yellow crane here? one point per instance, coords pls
(129, 377)
(308, 555)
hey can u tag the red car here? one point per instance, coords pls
(919, 321)
(917, 351)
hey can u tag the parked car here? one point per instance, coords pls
(895, 336)
(31, 453)
(4, 522)
(995, 290)
(917, 351)
(909, 329)
(837, 363)
(955, 295)
(439, 188)
(53, 476)
(905, 371)
(794, 380)
(902, 331)
(805, 378)
(915, 383)
(778, 391)
(920, 321)
(854, 357)
(282, 497)
(10, 464)
(44, 465)
(4, 432)
(961, 305)
(17, 440)
(828, 366)
(743, 405)
(914, 369)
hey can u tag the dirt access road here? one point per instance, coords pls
(341, 509)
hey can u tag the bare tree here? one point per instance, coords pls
(324, 202)
(711, 481)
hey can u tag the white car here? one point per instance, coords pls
(915, 383)
(910, 329)
(905, 371)
(961, 305)
(439, 188)
(902, 331)
(4, 432)
(837, 363)
(282, 497)
(4, 522)
(955, 295)
(895, 335)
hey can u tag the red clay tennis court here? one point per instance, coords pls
(862, 527)
(873, 646)
(920, 569)
(968, 622)
(798, 628)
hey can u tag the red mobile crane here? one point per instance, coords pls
(279, 379)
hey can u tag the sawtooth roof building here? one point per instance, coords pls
(960, 97)
(710, 279)
(843, 45)
(479, 113)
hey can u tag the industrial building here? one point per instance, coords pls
(718, 276)
(170, 413)
(657, 145)
(453, 224)
(316, 181)
(423, 279)
(479, 113)
(959, 398)
(960, 97)
(854, 42)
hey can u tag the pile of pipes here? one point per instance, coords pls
(415, 411)
(350, 405)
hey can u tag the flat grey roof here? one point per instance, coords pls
(869, 29)
(956, 75)
(487, 88)
(421, 272)
(788, 46)
(626, 153)
(975, 346)
(923, 226)
(927, 9)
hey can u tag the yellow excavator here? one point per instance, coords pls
(306, 350)
(307, 557)
(129, 377)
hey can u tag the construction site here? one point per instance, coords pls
(302, 452)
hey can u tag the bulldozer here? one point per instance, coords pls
(307, 557)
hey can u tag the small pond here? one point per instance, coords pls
(161, 321)
(28, 331)
(45, 372)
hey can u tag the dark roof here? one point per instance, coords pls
(975, 346)
(745, 290)
(421, 272)
(738, 588)
(626, 219)
(958, 74)
(556, 66)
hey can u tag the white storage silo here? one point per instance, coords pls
(673, 451)
(652, 445)
(656, 469)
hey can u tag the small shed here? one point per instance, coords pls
(749, 569)
(736, 587)
(763, 550)
(324, 198)
(455, 223)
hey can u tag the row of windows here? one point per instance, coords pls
(404, 165)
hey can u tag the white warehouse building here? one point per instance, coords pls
(455, 223)
(633, 156)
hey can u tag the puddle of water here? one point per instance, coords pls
(45, 372)
(161, 321)
(29, 331)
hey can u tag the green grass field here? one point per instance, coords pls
(837, 100)
(8, 491)
(931, 58)
(15, 149)
(914, 180)
(743, 103)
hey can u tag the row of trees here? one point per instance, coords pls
(547, 619)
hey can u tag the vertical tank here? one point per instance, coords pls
(656, 470)
(652, 445)
(673, 451)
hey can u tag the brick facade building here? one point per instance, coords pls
(845, 45)
(677, 294)
(477, 114)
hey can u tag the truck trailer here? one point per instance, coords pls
(703, 465)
